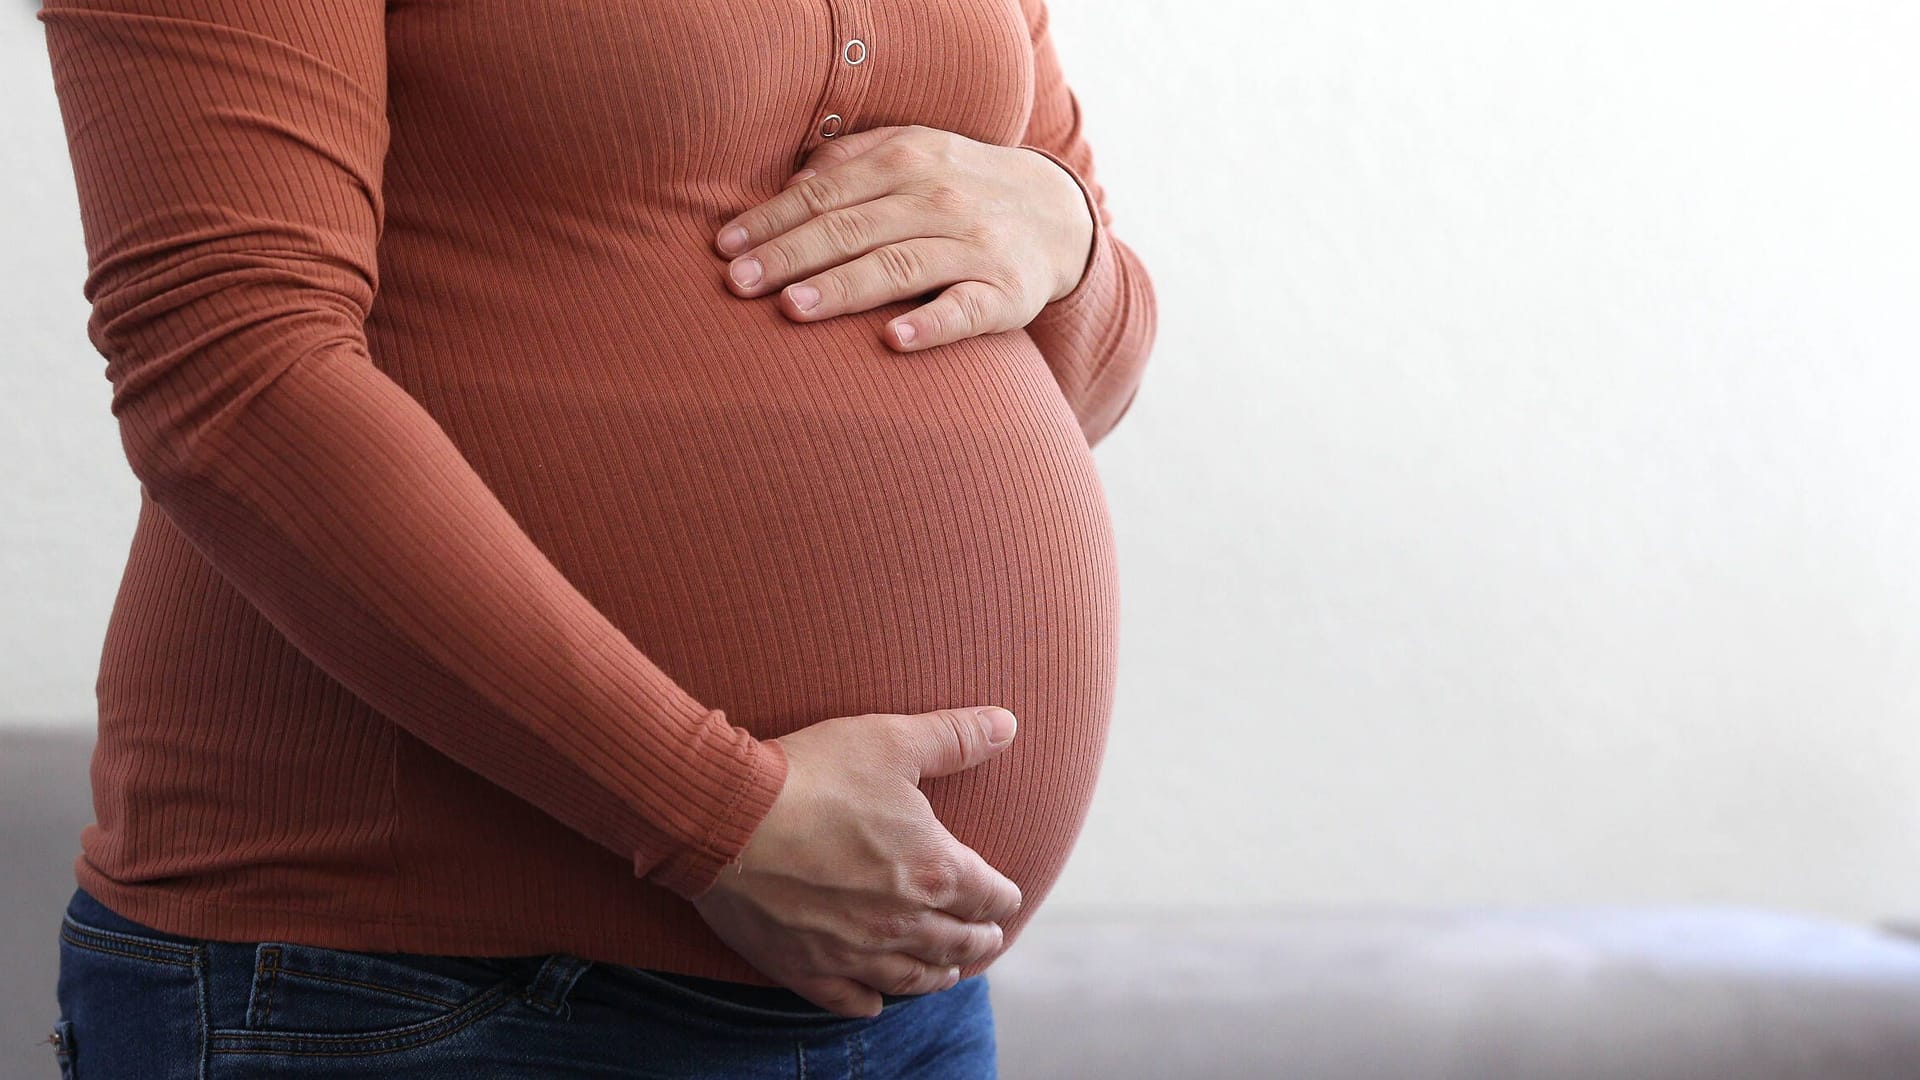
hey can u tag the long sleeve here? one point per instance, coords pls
(228, 156)
(1096, 338)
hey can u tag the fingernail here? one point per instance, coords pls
(804, 296)
(746, 271)
(999, 724)
(732, 239)
(799, 176)
(904, 331)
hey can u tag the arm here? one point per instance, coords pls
(1096, 338)
(228, 156)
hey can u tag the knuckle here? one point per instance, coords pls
(836, 998)
(835, 285)
(960, 728)
(980, 911)
(935, 325)
(895, 741)
(900, 264)
(975, 304)
(979, 230)
(905, 982)
(845, 955)
(902, 155)
(889, 927)
(949, 322)
(967, 304)
(1005, 272)
(846, 229)
(939, 142)
(819, 195)
(949, 199)
(935, 879)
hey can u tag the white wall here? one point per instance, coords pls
(1523, 505)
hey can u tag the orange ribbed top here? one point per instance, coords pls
(486, 539)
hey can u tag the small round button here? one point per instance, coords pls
(830, 126)
(855, 51)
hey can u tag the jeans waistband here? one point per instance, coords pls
(85, 907)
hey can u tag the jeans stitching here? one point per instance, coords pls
(84, 937)
(325, 1044)
(183, 950)
(395, 991)
(202, 965)
(267, 970)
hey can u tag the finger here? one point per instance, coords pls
(876, 171)
(848, 145)
(897, 271)
(838, 994)
(963, 310)
(897, 973)
(833, 238)
(946, 741)
(942, 940)
(979, 893)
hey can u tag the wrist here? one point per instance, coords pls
(1080, 229)
(1082, 264)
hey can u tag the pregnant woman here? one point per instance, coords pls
(612, 472)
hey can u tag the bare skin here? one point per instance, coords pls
(851, 886)
(893, 213)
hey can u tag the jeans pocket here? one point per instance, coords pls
(299, 991)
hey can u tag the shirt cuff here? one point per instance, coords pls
(691, 871)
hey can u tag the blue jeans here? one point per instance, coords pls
(140, 1004)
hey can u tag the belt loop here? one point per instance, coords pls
(549, 989)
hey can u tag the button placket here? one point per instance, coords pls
(846, 80)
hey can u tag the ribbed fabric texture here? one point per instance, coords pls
(486, 540)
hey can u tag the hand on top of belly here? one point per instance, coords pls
(893, 213)
(850, 884)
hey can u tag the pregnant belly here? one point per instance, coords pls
(798, 523)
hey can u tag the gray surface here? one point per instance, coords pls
(1463, 995)
(1724, 994)
(44, 802)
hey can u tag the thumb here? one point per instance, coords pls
(949, 740)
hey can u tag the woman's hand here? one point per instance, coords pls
(893, 213)
(850, 884)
